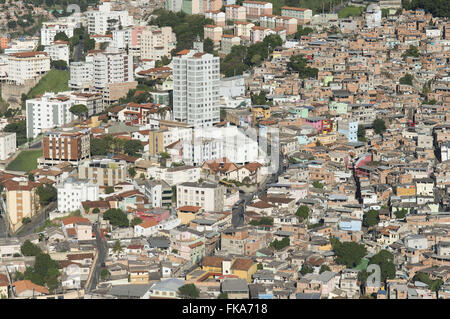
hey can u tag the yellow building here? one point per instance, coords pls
(261, 112)
(406, 190)
(156, 142)
(138, 275)
(187, 213)
(244, 268)
(21, 201)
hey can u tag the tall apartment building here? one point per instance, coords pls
(8, 145)
(112, 67)
(196, 97)
(72, 192)
(255, 9)
(302, 15)
(214, 32)
(24, 66)
(71, 146)
(157, 42)
(105, 172)
(173, 5)
(207, 195)
(58, 50)
(47, 112)
(104, 19)
(50, 29)
(21, 201)
(81, 75)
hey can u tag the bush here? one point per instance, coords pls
(189, 291)
(116, 217)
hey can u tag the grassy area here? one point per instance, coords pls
(25, 161)
(350, 11)
(53, 81)
(363, 264)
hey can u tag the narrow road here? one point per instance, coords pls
(37, 221)
(101, 250)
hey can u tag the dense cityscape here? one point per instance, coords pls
(224, 149)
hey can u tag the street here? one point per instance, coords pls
(101, 250)
(36, 221)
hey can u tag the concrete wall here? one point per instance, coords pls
(12, 93)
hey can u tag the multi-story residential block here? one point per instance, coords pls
(218, 17)
(81, 75)
(242, 29)
(72, 192)
(349, 128)
(21, 201)
(50, 29)
(189, 243)
(233, 240)
(58, 50)
(207, 195)
(159, 193)
(255, 9)
(111, 67)
(92, 100)
(8, 145)
(105, 172)
(235, 13)
(47, 112)
(214, 32)
(157, 42)
(105, 19)
(175, 175)
(24, 66)
(70, 145)
(274, 22)
(302, 15)
(196, 96)
(258, 33)
(227, 42)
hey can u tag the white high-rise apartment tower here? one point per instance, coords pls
(196, 96)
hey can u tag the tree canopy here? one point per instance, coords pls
(78, 110)
(30, 249)
(116, 217)
(302, 212)
(298, 64)
(133, 147)
(189, 291)
(371, 218)
(385, 260)
(407, 79)
(47, 194)
(379, 126)
(280, 244)
(348, 253)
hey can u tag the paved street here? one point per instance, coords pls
(102, 250)
(37, 221)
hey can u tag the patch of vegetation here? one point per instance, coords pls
(25, 161)
(350, 11)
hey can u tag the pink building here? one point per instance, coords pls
(235, 13)
(136, 35)
(316, 122)
(255, 9)
(218, 17)
(257, 33)
(213, 32)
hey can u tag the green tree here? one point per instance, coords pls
(132, 172)
(96, 210)
(407, 79)
(30, 177)
(135, 221)
(385, 260)
(47, 194)
(306, 269)
(208, 45)
(371, 218)
(79, 110)
(260, 266)
(30, 249)
(434, 285)
(361, 133)
(189, 291)
(59, 65)
(223, 295)
(109, 189)
(379, 126)
(116, 217)
(400, 214)
(317, 184)
(117, 247)
(298, 64)
(105, 274)
(302, 212)
(61, 36)
(133, 147)
(280, 244)
(324, 268)
(348, 253)
(98, 146)
(411, 52)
